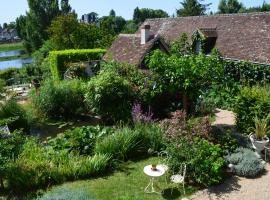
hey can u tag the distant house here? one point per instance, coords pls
(8, 35)
(236, 36)
(90, 18)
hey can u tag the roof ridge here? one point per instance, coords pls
(216, 15)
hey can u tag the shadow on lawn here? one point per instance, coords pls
(171, 193)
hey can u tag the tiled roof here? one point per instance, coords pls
(239, 36)
(127, 48)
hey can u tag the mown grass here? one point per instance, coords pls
(127, 184)
(11, 46)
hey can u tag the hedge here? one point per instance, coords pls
(59, 59)
(247, 72)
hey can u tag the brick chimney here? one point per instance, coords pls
(145, 34)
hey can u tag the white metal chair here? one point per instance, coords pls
(180, 178)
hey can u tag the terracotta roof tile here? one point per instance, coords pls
(239, 36)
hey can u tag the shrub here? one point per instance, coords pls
(222, 95)
(127, 143)
(251, 102)
(66, 193)
(11, 147)
(180, 126)
(245, 162)
(14, 114)
(110, 96)
(59, 59)
(228, 141)
(205, 164)
(64, 99)
(39, 166)
(81, 139)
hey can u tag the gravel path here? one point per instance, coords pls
(236, 188)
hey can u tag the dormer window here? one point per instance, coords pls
(204, 40)
(198, 46)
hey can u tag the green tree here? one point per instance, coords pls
(20, 26)
(113, 25)
(67, 33)
(130, 27)
(192, 8)
(5, 25)
(65, 7)
(62, 31)
(140, 15)
(229, 6)
(264, 8)
(37, 20)
(112, 13)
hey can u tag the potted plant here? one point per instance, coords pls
(259, 139)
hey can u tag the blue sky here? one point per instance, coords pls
(11, 9)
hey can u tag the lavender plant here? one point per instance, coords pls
(138, 116)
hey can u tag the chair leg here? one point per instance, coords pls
(184, 189)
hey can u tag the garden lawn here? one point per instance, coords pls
(11, 46)
(128, 184)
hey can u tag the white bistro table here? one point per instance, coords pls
(160, 170)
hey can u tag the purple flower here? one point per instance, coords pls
(139, 116)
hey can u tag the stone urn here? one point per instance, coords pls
(258, 145)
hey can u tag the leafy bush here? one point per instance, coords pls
(222, 95)
(64, 99)
(59, 59)
(11, 147)
(66, 193)
(14, 114)
(228, 141)
(205, 164)
(245, 162)
(143, 83)
(251, 102)
(180, 126)
(187, 75)
(128, 143)
(81, 139)
(39, 166)
(110, 96)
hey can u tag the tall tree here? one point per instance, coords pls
(192, 8)
(38, 19)
(5, 25)
(229, 6)
(112, 13)
(140, 15)
(65, 7)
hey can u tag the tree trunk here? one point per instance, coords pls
(186, 103)
(2, 187)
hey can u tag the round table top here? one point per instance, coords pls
(154, 173)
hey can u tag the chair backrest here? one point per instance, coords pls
(183, 169)
(163, 155)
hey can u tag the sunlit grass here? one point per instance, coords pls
(127, 184)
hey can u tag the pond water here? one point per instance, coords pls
(11, 53)
(16, 63)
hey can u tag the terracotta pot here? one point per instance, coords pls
(154, 167)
